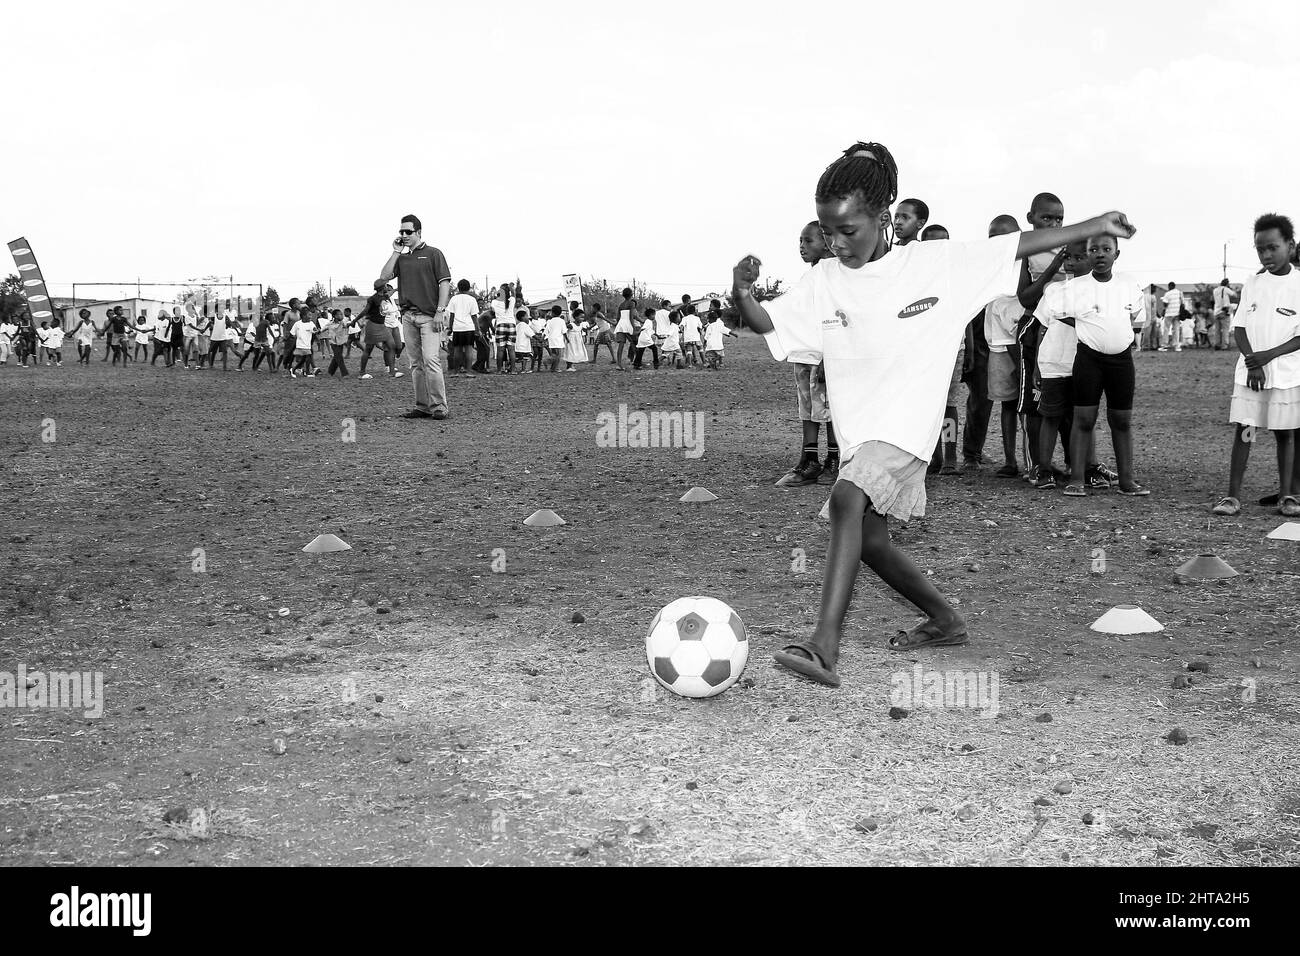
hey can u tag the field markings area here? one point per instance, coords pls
(429, 698)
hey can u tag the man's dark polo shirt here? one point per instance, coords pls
(418, 274)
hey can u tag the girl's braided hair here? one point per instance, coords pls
(866, 168)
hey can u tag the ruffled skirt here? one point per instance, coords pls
(1277, 409)
(893, 479)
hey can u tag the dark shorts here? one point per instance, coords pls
(463, 340)
(377, 334)
(1056, 397)
(1096, 373)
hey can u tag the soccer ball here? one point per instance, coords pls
(697, 647)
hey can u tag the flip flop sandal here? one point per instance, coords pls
(1137, 491)
(1289, 506)
(1268, 500)
(931, 636)
(813, 666)
(1075, 491)
(1228, 507)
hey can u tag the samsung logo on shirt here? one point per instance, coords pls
(1286, 312)
(840, 319)
(917, 307)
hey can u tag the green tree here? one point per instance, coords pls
(347, 290)
(12, 300)
(270, 298)
(317, 294)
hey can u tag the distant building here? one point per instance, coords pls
(131, 308)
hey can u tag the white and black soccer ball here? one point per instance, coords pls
(697, 647)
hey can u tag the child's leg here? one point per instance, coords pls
(389, 358)
(1081, 436)
(1286, 461)
(1240, 457)
(1009, 421)
(859, 534)
(1121, 436)
(1048, 428)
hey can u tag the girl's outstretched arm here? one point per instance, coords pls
(1042, 240)
(743, 277)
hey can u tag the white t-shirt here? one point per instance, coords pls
(463, 309)
(220, 330)
(1222, 298)
(555, 331)
(1100, 310)
(1060, 343)
(556, 328)
(673, 340)
(302, 332)
(523, 336)
(647, 336)
(662, 322)
(691, 329)
(54, 340)
(714, 333)
(142, 329)
(392, 312)
(7, 332)
(162, 328)
(624, 322)
(191, 324)
(1000, 318)
(1269, 311)
(1173, 300)
(889, 333)
(86, 333)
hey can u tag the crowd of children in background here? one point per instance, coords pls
(504, 336)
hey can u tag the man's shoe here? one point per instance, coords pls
(399, 374)
(416, 413)
(439, 416)
(1096, 478)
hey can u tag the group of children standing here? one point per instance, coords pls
(523, 343)
(1048, 352)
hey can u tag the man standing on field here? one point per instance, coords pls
(423, 287)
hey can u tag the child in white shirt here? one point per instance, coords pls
(888, 325)
(1101, 308)
(522, 349)
(714, 333)
(1266, 384)
(673, 345)
(556, 330)
(646, 340)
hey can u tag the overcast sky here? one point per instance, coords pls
(281, 142)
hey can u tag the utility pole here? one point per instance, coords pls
(1225, 260)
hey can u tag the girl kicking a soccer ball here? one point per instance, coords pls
(888, 325)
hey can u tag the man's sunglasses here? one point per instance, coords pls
(406, 232)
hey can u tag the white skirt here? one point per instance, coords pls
(893, 479)
(1277, 409)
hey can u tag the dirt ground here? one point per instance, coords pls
(426, 698)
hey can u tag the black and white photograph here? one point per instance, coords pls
(926, 495)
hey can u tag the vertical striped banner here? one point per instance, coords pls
(33, 283)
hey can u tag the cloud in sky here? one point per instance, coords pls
(280, 142)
